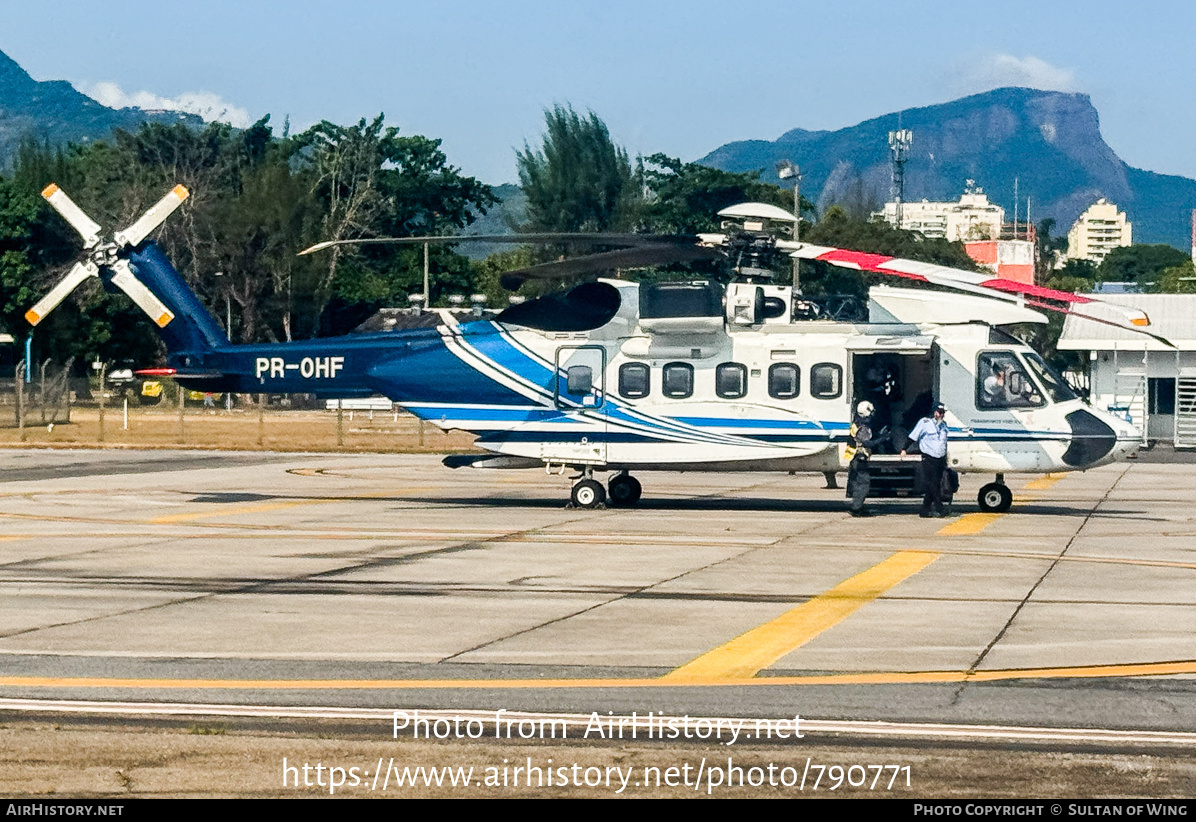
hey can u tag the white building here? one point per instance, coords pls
(1098, 231)
(1139, 377)
(972, 218)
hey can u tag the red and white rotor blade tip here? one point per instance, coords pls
(138, 231)
(127, 281)
(77, 274)
(88, 228)
(978, 283)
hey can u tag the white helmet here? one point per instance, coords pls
(865, 409)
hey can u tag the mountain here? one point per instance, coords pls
(54, 111)
(1048, 140)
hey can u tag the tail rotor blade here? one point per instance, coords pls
(79, 273)
(88, 228)
(153, 218)
(127, 281)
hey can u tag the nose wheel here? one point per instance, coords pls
(625, 490)
(995, 498)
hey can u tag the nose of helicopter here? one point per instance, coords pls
(1098, 438)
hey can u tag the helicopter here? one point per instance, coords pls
(612, 376)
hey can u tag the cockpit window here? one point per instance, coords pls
(1056, 387)
(1002, 382)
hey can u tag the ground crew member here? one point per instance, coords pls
(859, 473)
(930, 435)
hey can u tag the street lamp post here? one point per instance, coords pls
(788, 170)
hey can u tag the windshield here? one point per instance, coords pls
(1056, 387)
(1002, 382)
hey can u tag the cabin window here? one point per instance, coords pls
(784, 381)
(826, 380)
(1002, 382)
(634, 380)
(677, 380)
(730, 380)
(579, 380)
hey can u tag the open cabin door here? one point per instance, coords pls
(897, 374)
(580, 394)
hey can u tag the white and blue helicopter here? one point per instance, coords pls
(619, 377)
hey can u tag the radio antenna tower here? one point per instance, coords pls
(899, 144)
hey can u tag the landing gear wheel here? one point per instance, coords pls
(588, 494)
(995, 498)
(624, 490)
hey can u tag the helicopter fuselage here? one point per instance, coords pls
(695, 392)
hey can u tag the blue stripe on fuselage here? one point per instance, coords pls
(425, 371)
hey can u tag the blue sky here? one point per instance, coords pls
(677, 77)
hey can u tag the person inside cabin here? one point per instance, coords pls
(995, 393)
(880, 389)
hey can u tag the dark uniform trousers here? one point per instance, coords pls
(933, 469)
(859, 475)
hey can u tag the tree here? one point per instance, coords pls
(1050, 248)
(18, 213)
(1178, 279)
(579, 180)
(1076, 275)
(837, 228)
(370, 181)
(685, 198)
(1140, 264)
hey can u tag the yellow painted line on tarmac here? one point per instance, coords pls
(236, 510)
(752, 652)
(1187, 667)
(969, 524)
(1043, 483)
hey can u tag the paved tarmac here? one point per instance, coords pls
(376, 581)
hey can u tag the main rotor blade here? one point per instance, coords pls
(138, 231)
(88, 228)
(973, 282)
(78, 273)
(127, 281)
(628, 240)
(659, 254)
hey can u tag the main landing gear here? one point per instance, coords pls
(625, 490)
(995, 497)
(622, 491)
(588, 493)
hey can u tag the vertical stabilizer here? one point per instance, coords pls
(193, 328)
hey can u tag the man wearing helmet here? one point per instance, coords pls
(930, 435)
(859, 474)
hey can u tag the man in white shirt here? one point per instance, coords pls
(930, 435)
